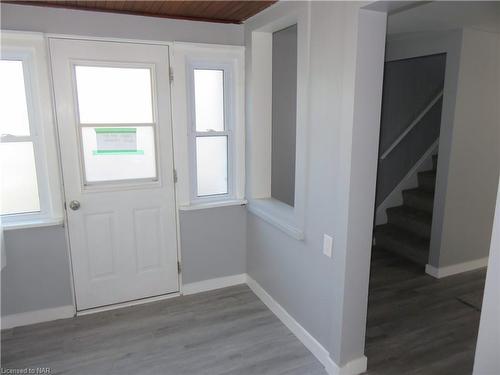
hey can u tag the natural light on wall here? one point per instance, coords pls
(19, 187)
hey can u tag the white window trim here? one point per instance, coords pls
(31, 49)
(228, 92)
(185, 58)
(290, 220)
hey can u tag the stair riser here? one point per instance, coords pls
(408, 223)
(418, 202)
(426, 182)
(402, 249)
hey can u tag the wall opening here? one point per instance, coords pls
(284, 114)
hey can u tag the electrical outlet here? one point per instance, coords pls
(327, 245)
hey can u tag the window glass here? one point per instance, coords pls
(211, 165)
(119, 153)
(209, 99)
(18, 180)
(14, 110)
(111, 95)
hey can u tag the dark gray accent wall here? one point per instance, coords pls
(213, 243)
(284, 114)
(409, 86)
(37, 272)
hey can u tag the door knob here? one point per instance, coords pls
(74, 205)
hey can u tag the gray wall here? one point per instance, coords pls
(469, 159)
(487, 360)
(475, 152)
(37, 273)
(327, 296)
(284, 114)
(409, 86)
(213, 243)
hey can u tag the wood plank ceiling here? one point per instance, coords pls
(227, 11)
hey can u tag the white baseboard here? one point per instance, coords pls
(395, 197)
(354, 367)
(211, 284)
(440, 272)
(38, 316)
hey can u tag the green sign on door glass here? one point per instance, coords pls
(117, 141)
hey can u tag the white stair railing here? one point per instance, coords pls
(412, 125)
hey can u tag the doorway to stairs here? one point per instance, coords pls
(410, 124)
(434, 207)
(415, 323)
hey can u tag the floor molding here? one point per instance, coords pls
(354, 367)
(440, 272)
(37, 316)
(211, 284)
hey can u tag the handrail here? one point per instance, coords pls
(412, 125)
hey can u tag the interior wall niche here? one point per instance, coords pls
(284, 114)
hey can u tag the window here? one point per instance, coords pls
(116, 122)
(208, 101)
(30, 193)
(210, 131)
(19, 183)
(284, 114)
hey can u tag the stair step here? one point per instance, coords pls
(434, 161)
(427, 180)
(402, 242)
(419, 199)
(416, 221)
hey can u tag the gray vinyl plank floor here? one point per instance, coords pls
(418, 325)
(227, 331)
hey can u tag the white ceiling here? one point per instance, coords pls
(446, 15)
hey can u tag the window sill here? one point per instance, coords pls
(32, 223)
(205, 205)
(278, 214)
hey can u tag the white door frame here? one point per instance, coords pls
(47, 37)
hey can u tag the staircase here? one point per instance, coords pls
(408, 230)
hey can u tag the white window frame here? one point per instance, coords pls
(115, 184)
(30, 48)
(186, 58)
(193, 134)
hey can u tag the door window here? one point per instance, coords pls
(116, 123)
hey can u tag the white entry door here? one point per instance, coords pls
(113, 114)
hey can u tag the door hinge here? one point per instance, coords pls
(175, 176)
(179, 268)
(171, 74)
